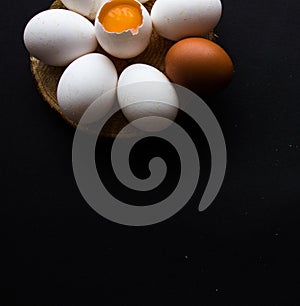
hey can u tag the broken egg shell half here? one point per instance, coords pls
(130, 42)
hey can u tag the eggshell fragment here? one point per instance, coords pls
(57, 37)
(83, 82)
(144, 91)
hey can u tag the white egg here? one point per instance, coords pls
(87, 8)
(118, 31)
(83, 82)
(57, 37)
(177, 19)
(145, 92)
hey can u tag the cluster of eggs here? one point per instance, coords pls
(123, 28)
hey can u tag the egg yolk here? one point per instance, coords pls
(121, 17)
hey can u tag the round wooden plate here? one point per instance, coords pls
(47, 77)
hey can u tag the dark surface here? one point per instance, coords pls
(241, 251)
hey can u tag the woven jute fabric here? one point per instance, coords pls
(47, 77)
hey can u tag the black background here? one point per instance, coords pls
(241, 251)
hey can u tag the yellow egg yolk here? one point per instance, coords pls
(121, 17)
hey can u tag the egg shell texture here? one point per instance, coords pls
(199, 64)
(57, 37)
(144, 91)
(177, 19)
(84, 81)
(87, 8)
(125, 44)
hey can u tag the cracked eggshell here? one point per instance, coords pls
(87, 8)
(144, 91)
(83, 82)
(126, 44)
(57, 37)
(177, 19)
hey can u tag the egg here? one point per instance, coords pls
(177, 19)
(84, 81)
(57, 37)
(199, 64)
(144, 91)
(87, 8)
(123, 28)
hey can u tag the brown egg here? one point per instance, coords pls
(199, 64)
